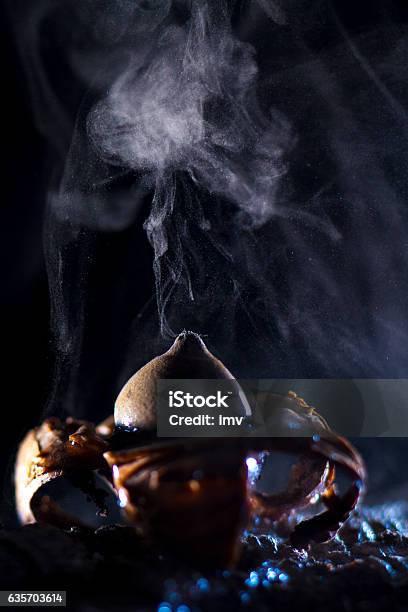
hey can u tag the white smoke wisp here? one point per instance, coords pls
(186, 113)
(296, 274)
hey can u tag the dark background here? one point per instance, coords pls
(32, 163)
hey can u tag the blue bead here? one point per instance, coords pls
(283, 577)
(203, 585)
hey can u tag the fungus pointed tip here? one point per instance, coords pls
(188, 341)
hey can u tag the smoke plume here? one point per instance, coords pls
(186, 114)
(259, 147)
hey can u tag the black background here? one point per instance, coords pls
(31, 163)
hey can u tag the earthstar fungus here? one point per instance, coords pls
(191, 497)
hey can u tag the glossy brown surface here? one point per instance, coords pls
(47, 453)
(192, 501)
